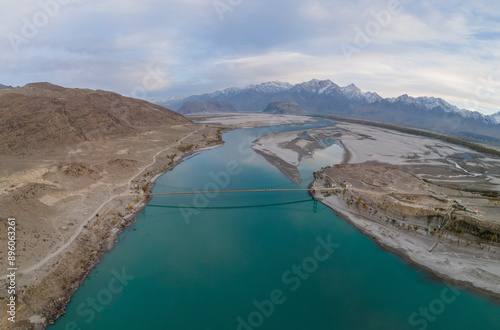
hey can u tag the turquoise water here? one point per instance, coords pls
(259, 260)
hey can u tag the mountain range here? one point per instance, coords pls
(206, 107)
(5, 87)
(324, 97)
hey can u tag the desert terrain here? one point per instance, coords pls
(75, 167)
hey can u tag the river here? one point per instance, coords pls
(266, 260)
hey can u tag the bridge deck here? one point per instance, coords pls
(237, 191)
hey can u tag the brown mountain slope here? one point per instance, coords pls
(41, 117)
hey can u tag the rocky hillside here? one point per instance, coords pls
(40, 117)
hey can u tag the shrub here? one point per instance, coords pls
(185, 148)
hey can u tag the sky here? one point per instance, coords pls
(155, 49)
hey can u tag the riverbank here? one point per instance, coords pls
(89, 199)
(248, 120)
(410, 248)
(410, 223)
(475, 266)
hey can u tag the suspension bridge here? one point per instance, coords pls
(195, 192)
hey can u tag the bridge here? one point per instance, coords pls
(315, 202)
(237, 191)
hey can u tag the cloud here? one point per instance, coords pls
(439, 48)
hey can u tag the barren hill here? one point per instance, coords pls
(41, 116)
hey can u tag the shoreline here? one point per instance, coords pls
(442, 277)
(356, 220)
(470, 266)
(110, 243)
(347, 156)
(130, 219)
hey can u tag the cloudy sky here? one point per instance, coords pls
(160, 48)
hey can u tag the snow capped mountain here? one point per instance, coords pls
(494, 118)
(326, 97)
(271, 87)
(430, 103)
(168, 102)
(316, 86)
(169, 99)
(352, 92)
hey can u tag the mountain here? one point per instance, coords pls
(251, 98)
(354, 94)
(171, 102)
(494, 118)
(430, 114)
(315, 96)
(327, 98)
(40, 117)
(206, 107)
(5, 87)
(284, 108)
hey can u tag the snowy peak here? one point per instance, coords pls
(270, 87)
(494, 118)
(352, 92)
(316, 86)
(433, 103)
(430, 103)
